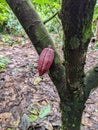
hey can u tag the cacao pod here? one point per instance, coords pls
(45, 60)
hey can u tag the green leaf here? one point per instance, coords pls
(37, 80)
(34, 112)
(96, 43)
(41, 2)
(45, 111)
(32, 117)
(9, 129)
(3, 63)
(2, 1)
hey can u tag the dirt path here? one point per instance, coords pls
(23, 94)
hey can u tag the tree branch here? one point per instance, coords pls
(39, 36)
(91, 80)
(46, 21)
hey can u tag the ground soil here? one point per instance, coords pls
(23, 94)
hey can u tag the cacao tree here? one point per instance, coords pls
(72, 83)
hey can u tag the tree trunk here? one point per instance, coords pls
(76, 17)
(73, 106)
(71, 114)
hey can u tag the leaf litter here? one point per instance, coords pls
(27, 100)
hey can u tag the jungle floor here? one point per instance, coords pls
(27, 99)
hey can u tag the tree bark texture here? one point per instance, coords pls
(76, 17)
(74, 87)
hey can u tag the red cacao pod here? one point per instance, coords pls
(45, 60)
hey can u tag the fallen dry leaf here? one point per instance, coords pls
(37, 80)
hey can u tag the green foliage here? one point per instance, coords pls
(3, 1)
(3, 13)
(41, 2)
(9, 40)
(45, 111)
(46, 9)
(13, 25)
(8, 21)
(96, 45)
(55, 3)
(95, 17)
(36, 114)
(32, 117)
(3, 63)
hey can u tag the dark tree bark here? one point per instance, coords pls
(72, 83)
(76, 17)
